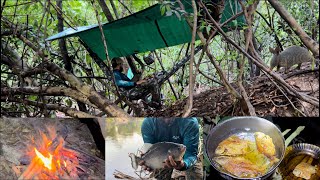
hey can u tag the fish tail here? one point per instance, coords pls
(134, 160)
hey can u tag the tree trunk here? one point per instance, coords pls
(64, 52)
(62, 42)
(106, 10)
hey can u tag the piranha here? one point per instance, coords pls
(158, 153)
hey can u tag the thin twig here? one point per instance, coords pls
(63, 14)
(191, 76)
(106, 49)
(124, 6)
(294, 107)
(170, 84)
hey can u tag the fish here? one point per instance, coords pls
(265, 144)
(156, 155)
(244, 158)
(304, 170)
(241, 167)
(233, 146)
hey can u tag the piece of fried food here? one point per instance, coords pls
(265, 144)
(240, 167)
(304, 170)
(233, 146)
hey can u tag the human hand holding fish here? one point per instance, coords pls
(168, 163)
(171, 163)
(157, 156)
(143, 166)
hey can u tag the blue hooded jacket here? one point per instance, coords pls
(181, 130)
(122, 80)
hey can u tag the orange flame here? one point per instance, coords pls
(46, 161)
(58, 161)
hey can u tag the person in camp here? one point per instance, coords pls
(178, 130)
(134, 90)
(121, 79)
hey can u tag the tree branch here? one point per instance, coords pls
(188, 106)
(47, 91)
(106, 10)
(95, 98)
(69, 111)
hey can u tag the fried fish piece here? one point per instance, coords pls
(265, 145)
(304, 170)
(240, 166)
(233, 146)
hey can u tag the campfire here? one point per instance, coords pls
(50, 158)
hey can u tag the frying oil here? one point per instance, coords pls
(256, 157)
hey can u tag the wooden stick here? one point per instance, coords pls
(29, 168)
(32, 169)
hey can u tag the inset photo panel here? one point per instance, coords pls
(250, 147)
(154, 148)
(51, 148)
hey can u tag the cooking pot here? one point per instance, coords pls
(244, 127)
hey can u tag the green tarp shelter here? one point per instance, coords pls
(143, 31)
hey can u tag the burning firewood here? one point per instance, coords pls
(32, 169)
(62, 138)
(54, 161)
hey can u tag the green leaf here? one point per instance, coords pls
(178, 15)
(32, 98)
(208, 29)
(250, 2)
(35, 23)
(68, 102)
(168, 7)
(201, 27)
(162, 10)
(88, 59)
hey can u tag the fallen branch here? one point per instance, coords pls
(93, 96)
(69, 111)
(304, 71)
(48, 91)
(120, 175)
(293, 106)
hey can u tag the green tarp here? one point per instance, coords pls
(144, 31)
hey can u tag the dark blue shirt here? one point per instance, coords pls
(181, 130)
(122, 80)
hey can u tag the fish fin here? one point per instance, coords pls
(134, 161)
(145, 148)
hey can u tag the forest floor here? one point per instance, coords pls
(264, 95)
